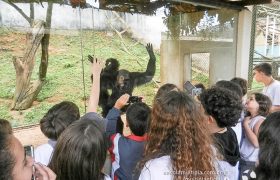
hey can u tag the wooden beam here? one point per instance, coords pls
(211, 3)
(145, 6)
(38, 1)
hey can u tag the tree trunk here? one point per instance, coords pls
(45, 44)
(26, 91)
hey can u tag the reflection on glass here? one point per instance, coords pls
(59, 67)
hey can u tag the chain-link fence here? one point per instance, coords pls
(200, 68)
(265, 38)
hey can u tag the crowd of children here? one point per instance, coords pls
(218, 135)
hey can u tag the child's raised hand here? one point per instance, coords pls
(247, 120)
(122, 101)
(97, 66)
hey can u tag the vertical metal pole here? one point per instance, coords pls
(266, 34)
(273, 39)
(82, 56)
(252, 46)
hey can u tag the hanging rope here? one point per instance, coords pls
(82, 56)
(92, 17)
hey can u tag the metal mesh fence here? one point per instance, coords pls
(200, 68)
(266, 36)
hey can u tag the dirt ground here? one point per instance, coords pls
(30, 135)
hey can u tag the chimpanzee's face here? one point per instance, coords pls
(123, 81)
(122, 78)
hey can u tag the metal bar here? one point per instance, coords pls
(210, 4)
(273, 38)
(270, 13)
(266, 34)
(252, 46)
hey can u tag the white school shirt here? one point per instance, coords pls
(43, 153)
(161, 169)
(106, 177)
(247, 151)
(273, 92)
(158, 168)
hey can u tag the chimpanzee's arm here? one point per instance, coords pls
(139, 78)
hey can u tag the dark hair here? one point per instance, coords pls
(230, 86)
(178, 129)
(80, 152)
(223, 105)
(269, 142)
(264, 103)
(58, 118)
(138, 116)
(201, 86)
(7, 160)
(5, 126)
(242, 83)
(165, 89)
(266, 68)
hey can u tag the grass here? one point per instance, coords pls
(65, 73)
(64, 77)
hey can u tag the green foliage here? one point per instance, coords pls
(4, 111)
(198, 77)
(64, 79)
(35, 113)
(7, 74)
(256, 85)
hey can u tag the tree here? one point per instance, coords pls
(26, 90)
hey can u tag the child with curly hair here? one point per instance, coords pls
(223, 109)
(178, 145)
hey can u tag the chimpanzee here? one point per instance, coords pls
(122, 81)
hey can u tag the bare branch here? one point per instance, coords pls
(20, 11)
(31, 11)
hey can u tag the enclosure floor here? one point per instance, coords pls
(30, 135)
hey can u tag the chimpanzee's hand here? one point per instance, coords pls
(150, 50)
(90, 58)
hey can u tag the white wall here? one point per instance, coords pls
(145, 28)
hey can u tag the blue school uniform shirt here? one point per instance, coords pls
(125, 151)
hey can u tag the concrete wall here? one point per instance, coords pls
(228, 57)
(176, 61)
(243, 43)
(145, 28)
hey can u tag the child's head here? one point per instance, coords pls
(138, 117)
(5, 126)
(201, 86)
(258, 104)
(14, 163)
(177, 127)
(242, 83)
(223, 105)
(264, 68)
(58, 118)
(231, 86)
(173, 115)
(165, 89)
(80, 151)
(269, 142)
